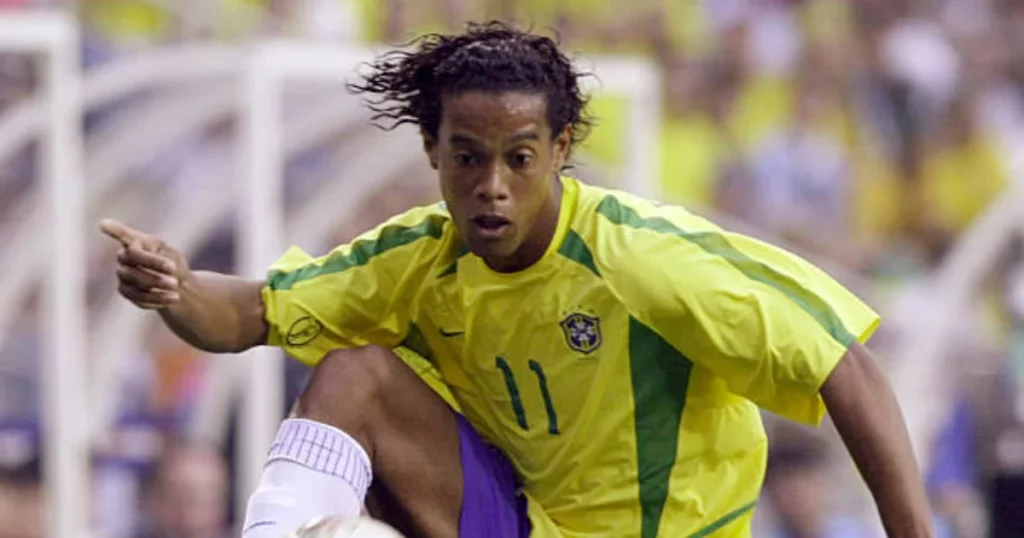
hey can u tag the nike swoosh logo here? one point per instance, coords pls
(451, 334)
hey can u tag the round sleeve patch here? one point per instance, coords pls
(304, 331)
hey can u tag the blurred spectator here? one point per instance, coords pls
(797, 486)
(963, 170)
(917, 52)
(397, 21)
(21, 507)
(802, 178)
(117, 27)
(383, 21)
(176, 372)
(953, 480)
(188, 497)
(999, 103)
(695, 144)
(884, 116)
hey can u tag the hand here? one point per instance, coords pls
(149, 273)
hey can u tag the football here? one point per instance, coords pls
(346, 527)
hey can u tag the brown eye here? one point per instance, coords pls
(465, 159)
(522, 160)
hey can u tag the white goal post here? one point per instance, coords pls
(260, 230)
(53, 38)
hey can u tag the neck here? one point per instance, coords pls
(538, 239)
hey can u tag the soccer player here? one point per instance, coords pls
(605, 355)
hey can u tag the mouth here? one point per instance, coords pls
(490, 226)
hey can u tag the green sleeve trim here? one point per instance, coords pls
(716, 244)
(361, 252)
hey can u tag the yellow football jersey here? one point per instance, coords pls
(620, 374)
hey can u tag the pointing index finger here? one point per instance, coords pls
(119, 232)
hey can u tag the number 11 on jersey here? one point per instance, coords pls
(517, 400)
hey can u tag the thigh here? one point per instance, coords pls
(432, 474)
(410, 435)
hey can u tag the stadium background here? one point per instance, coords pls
(877, 137)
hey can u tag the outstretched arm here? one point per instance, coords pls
(865, 411)
(213, 312)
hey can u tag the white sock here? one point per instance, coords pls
(314, 470)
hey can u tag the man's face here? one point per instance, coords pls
(497, 162)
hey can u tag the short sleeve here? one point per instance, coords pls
(358, 294)
(767, 322)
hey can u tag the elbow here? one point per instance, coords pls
(252, 332)
(226, 348)
(217, 344)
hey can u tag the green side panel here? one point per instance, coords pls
(660, 377)
(723, 521)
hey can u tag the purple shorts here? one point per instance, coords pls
(491, 505)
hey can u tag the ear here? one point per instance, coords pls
(562, 148)
(430, 148)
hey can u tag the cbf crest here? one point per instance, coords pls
(582, 332)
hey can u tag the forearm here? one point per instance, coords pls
(885, 460)
(867, 416)
(218, 313)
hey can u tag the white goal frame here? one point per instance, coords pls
(54, 39)
(260, 230)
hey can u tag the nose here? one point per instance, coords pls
(493, 187)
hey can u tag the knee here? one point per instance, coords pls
(346, 384)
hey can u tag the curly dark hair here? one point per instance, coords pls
(407, 85)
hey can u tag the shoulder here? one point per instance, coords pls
(643, 248)
(648, 255)
(418, 222)
(419, 238)
(620, 226)
(425, 235)
(611, 209)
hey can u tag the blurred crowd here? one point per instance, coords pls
(868, 135)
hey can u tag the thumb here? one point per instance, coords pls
(120, 232)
